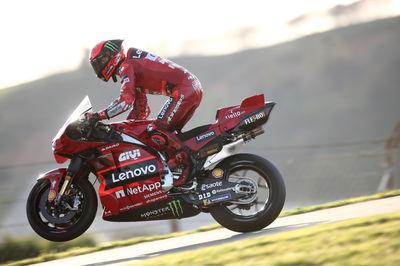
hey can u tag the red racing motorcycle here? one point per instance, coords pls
(242, 192)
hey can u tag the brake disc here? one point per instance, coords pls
(44, 206)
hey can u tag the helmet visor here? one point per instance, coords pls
(99, 63)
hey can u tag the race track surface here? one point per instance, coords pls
(140, 252)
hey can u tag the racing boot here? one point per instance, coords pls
(167, 141)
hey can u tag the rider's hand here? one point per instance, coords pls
(92, 118)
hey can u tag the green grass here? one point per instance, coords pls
(373, 240)
(81, 251)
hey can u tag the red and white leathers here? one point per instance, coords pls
(144, 73)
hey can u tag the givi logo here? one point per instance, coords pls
(128, 155)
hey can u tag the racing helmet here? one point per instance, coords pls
(105, 58)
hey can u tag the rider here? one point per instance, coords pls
(144, 73)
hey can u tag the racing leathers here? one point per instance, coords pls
(144, 73)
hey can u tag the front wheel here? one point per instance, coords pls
(66, 219)
(259, 209)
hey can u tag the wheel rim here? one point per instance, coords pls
(58, 218)
(262, 197)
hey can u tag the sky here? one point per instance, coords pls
(42, 37)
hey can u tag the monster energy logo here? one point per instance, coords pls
(112, 46)
(176, 208)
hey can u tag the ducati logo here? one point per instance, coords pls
(133, 154)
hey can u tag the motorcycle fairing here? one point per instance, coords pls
(54, 176)
(129, 177)
(227, 119)
(169, 208)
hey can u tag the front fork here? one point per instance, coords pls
(72, 171)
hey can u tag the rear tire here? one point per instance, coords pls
(266, 206)
(56, 222)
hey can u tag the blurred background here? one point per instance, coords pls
(332, 66)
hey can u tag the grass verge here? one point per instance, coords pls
(81, 251)
(373, 240)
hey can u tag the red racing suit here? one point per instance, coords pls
(144, 73)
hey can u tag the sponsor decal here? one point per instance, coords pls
(136, 54)
(52, 195)
(125, 80)
(215, 191)
(217, 172)
(143, 188)
(109, 69)
(211, 185)
(107, 213)
(127, 208)
(234, 115)
(116, 108)
(176, 107)
(151, 57)
(205, 136)
(176, 208)
(110, 147)
(118, 59)
(153, 194)
(217, 199)
(204, 195)
(129, 155)
(154, 213)
(111, 46)
(164, 196)
(133, 172)
(120, 194)
(254, 118)
(165, 108)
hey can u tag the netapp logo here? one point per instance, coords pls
(205, 136)
(139, 190)
(130, 173)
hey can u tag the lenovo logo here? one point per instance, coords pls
(133, 172)
(148, 169)
(205, 136)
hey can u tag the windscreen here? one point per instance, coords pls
(84, 107)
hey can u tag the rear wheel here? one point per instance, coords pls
(259, 208)
(67, 219)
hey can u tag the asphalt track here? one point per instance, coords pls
(140, 252)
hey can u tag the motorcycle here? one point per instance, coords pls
(242, 192)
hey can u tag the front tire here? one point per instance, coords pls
(66, 220)
(267, 203)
